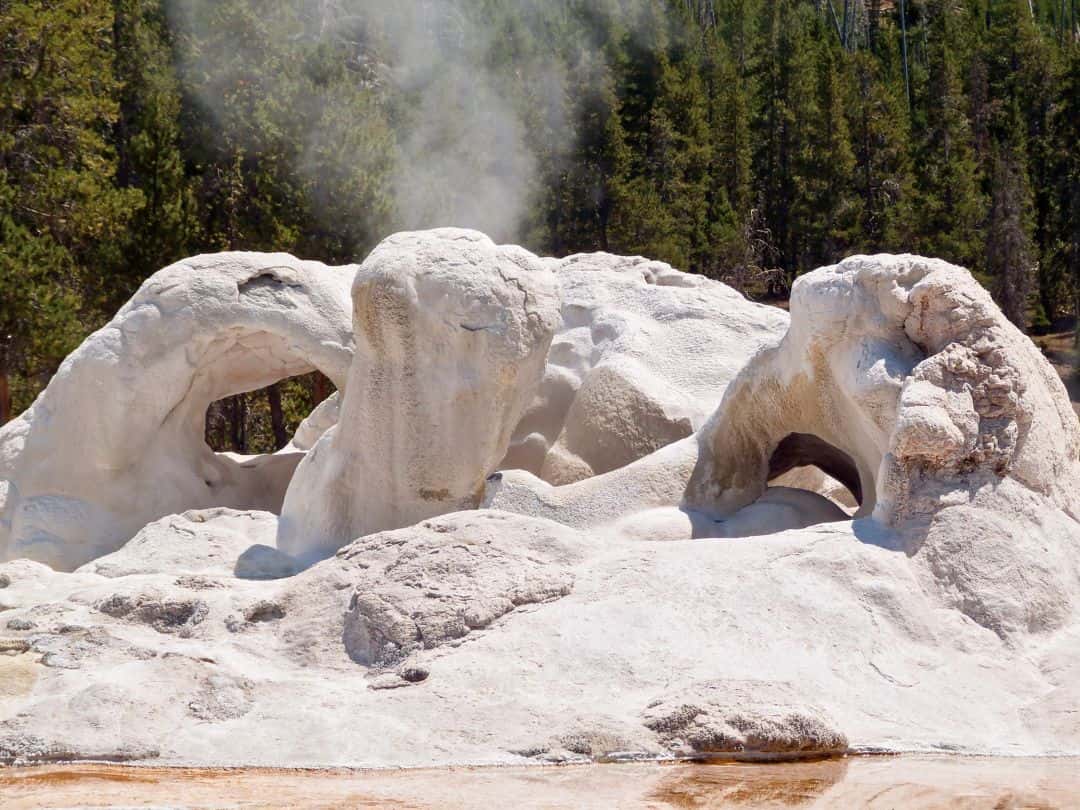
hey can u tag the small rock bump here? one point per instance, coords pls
(264, 611)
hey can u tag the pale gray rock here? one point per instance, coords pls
(164, 614)
(448, 326)
(642, 358)
(555, 629)
(209, 541)
(755, 720)
(265, 562)
(20, 749)
(116, 439)
(901, 378)
(421, 587)
(845, 623)
(959, 433)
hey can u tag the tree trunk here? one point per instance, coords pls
(873, 15)
(5, 397)
(903, 46)
(277, 417)
(320, 389)
(239, 426)
(836, 22)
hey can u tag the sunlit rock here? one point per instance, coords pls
(116, 439)
(550, 624)
(452, 333)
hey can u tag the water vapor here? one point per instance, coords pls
(455, 120)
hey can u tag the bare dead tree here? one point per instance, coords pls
(1009, 254)
(904, 49)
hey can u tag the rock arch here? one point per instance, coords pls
(116, 439)
(965, 445)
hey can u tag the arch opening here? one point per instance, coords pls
(243, 423)
(804, 461)
(265, 420)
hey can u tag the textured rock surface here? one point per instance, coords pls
(960, 432)
(742, 720)
(641, 360)
(426, 585)
(929, 392)
(116, 440)
(900, 375)
(452, 333)
(205, 541)
(555, 628)
(265, 677)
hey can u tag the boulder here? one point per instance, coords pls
(452, 332)
(421, 587)
(742, 720)
(641, 360)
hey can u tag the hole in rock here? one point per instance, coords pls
(265, 420)
(254, 432)
(803, 461)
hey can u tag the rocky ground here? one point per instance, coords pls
(489, 638)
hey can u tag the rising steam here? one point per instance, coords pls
(456, 138)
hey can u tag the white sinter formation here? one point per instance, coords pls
(641, 360)
(116, 439)
(589, 598)
(452, 333)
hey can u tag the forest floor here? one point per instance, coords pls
(1061, 350)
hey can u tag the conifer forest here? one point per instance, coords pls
(746, 140)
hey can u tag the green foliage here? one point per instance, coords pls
(62, 213)
(948, 218)
(748, 140)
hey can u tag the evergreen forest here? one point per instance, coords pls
(746, 140)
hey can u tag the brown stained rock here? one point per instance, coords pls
(742, 720)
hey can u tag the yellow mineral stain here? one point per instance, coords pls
(18, 673)
(913, 783)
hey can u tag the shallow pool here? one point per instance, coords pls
(876, 782)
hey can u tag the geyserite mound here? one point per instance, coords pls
(942, 617)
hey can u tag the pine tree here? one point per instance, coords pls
(784, 89)
(949, 206)
(1064, 261)
(730, 188)
(147, 140)
(1012, 120)
(828, 208)
(591, 176)
(1009, 252)
(60, 212)
(882, 163)
(679, 160)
